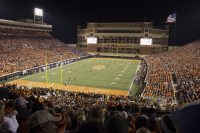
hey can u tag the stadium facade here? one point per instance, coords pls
(137, 38)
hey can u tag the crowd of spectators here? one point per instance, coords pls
(46, 110)
(78, 111)
(141, 72)
(158, 80)
(18, 53)
(174, 74)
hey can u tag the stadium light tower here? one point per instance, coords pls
(38, 15)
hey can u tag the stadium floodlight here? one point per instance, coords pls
(38, 15)
(38, 12)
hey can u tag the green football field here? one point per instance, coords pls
(104, 73)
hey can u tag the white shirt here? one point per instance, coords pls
(10, 123)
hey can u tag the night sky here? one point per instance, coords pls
(65, 15)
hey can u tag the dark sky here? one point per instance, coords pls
(65, 15)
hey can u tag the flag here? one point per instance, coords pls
(171, 18)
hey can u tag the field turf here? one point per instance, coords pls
(106, 73)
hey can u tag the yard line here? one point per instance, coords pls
(52, 84)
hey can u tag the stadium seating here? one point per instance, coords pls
(18, 52)
(175, 74)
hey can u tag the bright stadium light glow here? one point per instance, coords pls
(145, 41)
(91, 40)
(38, 12)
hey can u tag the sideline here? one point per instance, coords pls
(69, 87)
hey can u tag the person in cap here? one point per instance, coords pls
(166, 124)
(115, 124)
(21, 107)
(21, 101)
(186, 120)
(143, 130)
(97, 116)
(43, 122)
(142, 121)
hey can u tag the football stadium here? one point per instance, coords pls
(117, 77)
